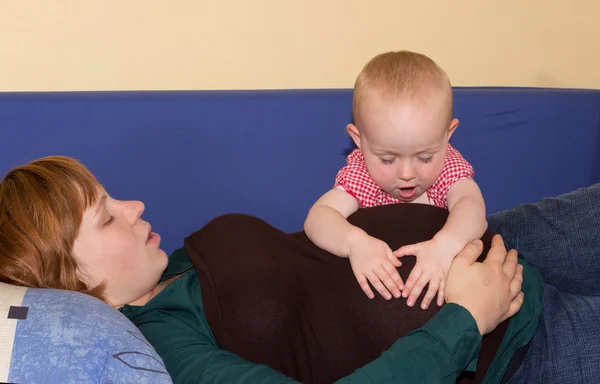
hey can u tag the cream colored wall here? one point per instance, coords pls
(248, 44)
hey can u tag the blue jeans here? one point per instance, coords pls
(561, 237)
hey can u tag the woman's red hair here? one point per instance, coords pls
(41, 208)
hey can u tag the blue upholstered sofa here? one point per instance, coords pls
(191, 156)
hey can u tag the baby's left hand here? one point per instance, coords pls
(433, 263)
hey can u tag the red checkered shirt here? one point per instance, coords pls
(355, 179)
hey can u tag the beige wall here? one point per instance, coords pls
(247, 44)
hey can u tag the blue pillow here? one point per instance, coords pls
(54, 336)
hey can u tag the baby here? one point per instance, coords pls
(402, 112)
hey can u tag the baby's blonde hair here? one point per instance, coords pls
(401, 75)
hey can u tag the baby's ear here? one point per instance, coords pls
(452, 127)
(354, 134)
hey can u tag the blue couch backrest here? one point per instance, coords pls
(191, 156)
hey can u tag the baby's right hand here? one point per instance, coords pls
(373, 261)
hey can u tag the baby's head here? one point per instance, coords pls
(402, 112)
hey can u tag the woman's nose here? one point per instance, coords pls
(135, 209)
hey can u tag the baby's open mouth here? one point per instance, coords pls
(407, 192)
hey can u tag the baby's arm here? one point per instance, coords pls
(371, 259)
(466, 221)
(326, 223)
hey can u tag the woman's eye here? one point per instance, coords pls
(109, 221)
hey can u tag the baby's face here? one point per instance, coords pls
(404, 143)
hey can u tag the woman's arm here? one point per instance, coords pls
(437, 352)
(192, 358)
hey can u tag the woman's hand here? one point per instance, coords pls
(491, 290)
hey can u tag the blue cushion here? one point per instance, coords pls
(54, 336)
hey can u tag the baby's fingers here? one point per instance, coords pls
(391, 270)
(364, 284)
(411, 249)
(434, 284)
(414, 276)
(441, 293)
(386, 274)
(418, 288)
(394, 260)
(378, 285)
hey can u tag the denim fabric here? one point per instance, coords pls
(561, 237)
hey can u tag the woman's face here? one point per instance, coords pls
(116, 246)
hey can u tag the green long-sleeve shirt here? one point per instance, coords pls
(174, 323)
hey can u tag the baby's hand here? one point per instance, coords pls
(373, 261)
(432, 266)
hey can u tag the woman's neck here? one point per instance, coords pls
(145, 299)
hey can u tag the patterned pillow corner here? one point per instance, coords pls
(49, 335)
